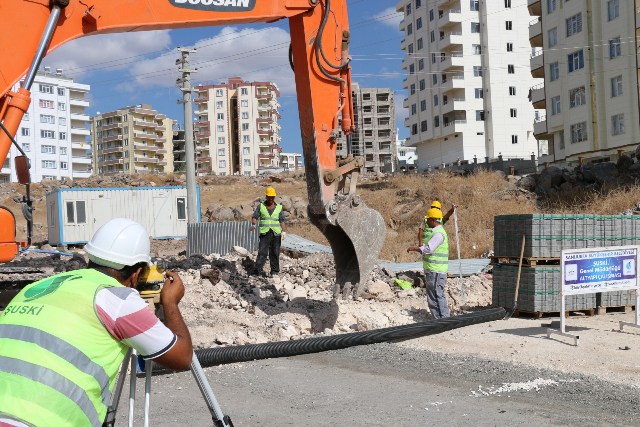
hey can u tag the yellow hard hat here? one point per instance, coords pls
(434, 213)
(436, 204)
(271, 192)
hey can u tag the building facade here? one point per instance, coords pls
(375, 136)
(132, 140)
(468, 76)
(179, 154)
(590, 72)
(237, 132)
(291, 161)
(54, 133)
(407, 157)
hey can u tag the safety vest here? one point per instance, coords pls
(272, 221)
(58, 363)
(438, 261)
(427, 232)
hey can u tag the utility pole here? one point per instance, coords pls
(189, 149)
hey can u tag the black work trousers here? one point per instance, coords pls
(269, 244)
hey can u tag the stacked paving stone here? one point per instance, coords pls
(545, 238)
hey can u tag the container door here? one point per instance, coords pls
(100, 213)
(162, 217)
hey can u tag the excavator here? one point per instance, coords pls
(319, 56)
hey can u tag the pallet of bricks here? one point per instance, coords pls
(545, 238)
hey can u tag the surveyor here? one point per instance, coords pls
(435, 261)
(272, 231)
(64, 338)
(424, 231)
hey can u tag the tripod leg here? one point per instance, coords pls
(132, 386)
(147, 391)
(110, 419)
(219, 419)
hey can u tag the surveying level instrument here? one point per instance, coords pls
(150, 285)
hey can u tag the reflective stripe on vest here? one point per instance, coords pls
(438, 261)
(54, 346)
(270, 222)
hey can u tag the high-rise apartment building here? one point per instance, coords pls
(468, 79)
(375, 136)
(237, 131)
(132, 140)
(590, 69)
(179, 155)
(54, 132)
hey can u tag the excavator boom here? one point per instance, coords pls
(320, 55)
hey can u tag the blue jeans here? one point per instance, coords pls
(436, 298)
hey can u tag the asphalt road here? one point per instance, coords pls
(388, 385)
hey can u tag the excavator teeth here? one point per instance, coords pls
(356, 240)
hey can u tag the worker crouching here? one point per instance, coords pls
(272, 230)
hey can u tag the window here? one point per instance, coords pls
(433, 58)
(576, 60)
(221, 152)
(181, 207)
(507, 4)
(616, 86)
(49, 164)
(221, 140)
(76, 212)
(63, 151)
(219, 92)
(511, 69)
(407, 9)
(554, 71)
(574, 24)
(414, 129)
(412, 69)
(552, 37)
(509, 47)
(24, 131)
(219, 104)
(578, 132)
(245, 126)
(436, 121)
(423, 126)
(474, 5)
(577, 97)
(62, 136)
(420, 64)
(244, 91)
(551, 6)
(222, 164)
(62, 106)
(64, 165)
(514, 139)
(418, 4)
(46, 88)
(418, 23)
(513, 112)
(220, 128)
(561, 140)
(435, 100)
(246, 162)
(61, 91)
(246, 151)
(412, 89)
(430, 14)
(62, 121)
(423, 105)
(477, 71)
(434, 79)
(419, 43)
(220, 116)
(617, 124)
(245, 115)
(244, 103)
(47, 134)
(413, 109)
(478, 93)
(615, 49)
(512, 90)
(477, 49)
(47, 119)
(555, 105)
(409, 29)
(25, 117)
(410, 48)
(479, 115)
(246, 139)
(423, 84)
(613, 9)
(475, 27)
(45, 103)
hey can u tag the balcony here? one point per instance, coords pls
(537, 96)
(111, 138)
(535, 32)
(455, 104)
(264, 95)
(452, 62)
(81, 160)
(80, 131)
(264, 132)
(203, 160)
(145, 147)
(113, 162)
(535, 7)
(537, 64)
(80, 102)
(455, 82)
(144, 159)
(450, 17)
(145, 135)
(453, 126)
(202, 98)
(111, 150)
(451, 40)
(80, 145)
(111, 126)
(81, 117)
(203, 112)
(266, 155)
(540, 128)
(145, 123)
(202, 134)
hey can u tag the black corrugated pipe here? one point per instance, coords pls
(223, 355)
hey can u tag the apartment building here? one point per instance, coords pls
(590, 70)
(291, 161)
(237, 132)
(407, 157)
(375, 135)
(179, 154)
(132, 140)
(54, 133)
(468, 77)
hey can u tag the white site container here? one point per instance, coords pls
(74, 214)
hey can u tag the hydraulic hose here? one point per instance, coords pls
(223, 355)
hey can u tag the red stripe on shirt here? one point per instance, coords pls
(108, 323)
(135, 323)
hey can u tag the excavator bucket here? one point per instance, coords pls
(356, 238)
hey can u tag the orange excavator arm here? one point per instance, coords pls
(320, 52)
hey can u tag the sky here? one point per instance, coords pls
(134, 68)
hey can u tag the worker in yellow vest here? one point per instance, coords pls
(435, 261)
(272, 231)
(424, 231)
(64, 338)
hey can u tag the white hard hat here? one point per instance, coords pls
(118, 243)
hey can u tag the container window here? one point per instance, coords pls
(181, 204)
(81, 213)
(70, 213)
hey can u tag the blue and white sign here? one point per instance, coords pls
(599, 269)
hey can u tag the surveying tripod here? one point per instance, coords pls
(130, 364)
